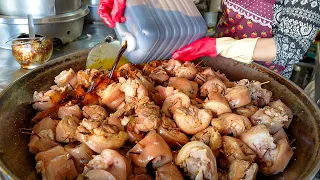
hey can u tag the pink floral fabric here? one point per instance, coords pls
(248, 19)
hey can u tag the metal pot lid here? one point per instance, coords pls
(67, 17)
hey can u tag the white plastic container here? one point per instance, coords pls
(154, 29)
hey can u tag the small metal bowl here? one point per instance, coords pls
(31, 52)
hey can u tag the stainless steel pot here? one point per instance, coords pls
(16, 112)
(38, 8)
(91, 2)
(93, 15)
(66, 27)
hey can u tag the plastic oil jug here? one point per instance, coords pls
(154, 29)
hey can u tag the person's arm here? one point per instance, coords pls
(295, 28)
(265, 50)
(296, 31)
(239, 50)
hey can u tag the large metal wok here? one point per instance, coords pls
(16, 112)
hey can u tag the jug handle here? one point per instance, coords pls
(126, 36)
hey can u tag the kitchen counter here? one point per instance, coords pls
(11, 70)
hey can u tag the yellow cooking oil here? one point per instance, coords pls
(103, 55)
(107, 63)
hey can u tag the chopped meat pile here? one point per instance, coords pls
(164, 120)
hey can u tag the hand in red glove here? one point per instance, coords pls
(239, 50)
(202, 47)
(111, 11)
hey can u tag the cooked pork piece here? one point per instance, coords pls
(274, 119)
(97, 174)
(55, 163)
(170, 132)
(86, 77)
(141, 177)
(112, 97)
(81, 154)
(259, 95)
(275, 160)
(67, 78)
(43, 136)
(235, 149)
(238, 96)
(217, 104)
(258, 139)
(247, 110)
(133, 89)
(244, 170)
(198, 161)
(44, 100)
(224, 79)
(229, 123)
(281, 106)
(152, 148)
(204, 75)
(145, 81)
(110, 161)
(147, 116)
(66, 129)
(168, 172)
(274, 155)
(160, 93)
(188, 70)
(173, 102)
(189, 88)
(94, 112)
(192, 120)
(210, 137)
(69, 110)
(100, 137)
(159, 76)
(211, 86)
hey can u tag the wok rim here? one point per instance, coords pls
(9, 175)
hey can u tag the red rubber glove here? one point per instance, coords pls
(202, 47)
(239, 50)
(111, 11)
